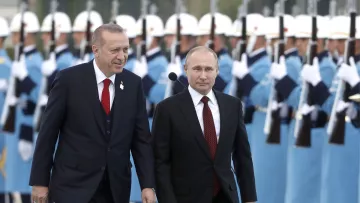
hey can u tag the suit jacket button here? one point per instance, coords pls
(108, 132)
(109, 149)
(103, 168)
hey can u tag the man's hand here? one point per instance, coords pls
(39, 194)
(148, 195)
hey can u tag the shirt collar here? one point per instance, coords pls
(100, 76)
(196, 96)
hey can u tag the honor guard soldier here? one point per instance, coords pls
(222, 25)
(152, 67)
(304, 161)
(342, 158)
(5, 66)
(63, 56)
(188, 27)
(27, 70)
(128, 23)
(79, 30)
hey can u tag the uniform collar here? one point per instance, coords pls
(291, 52)
(196, 96)
(100, 76)
(153, 53)
(256, 55)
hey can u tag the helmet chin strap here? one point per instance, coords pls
(251, 43)
(149, 40)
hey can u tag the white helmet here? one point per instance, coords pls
(304, 25)
(222, 24)
(80, 21)
(154, 26)
(253, 23)
(4, 31)
(62, 23)
(188, 24)
(128, 23)
(31, 23)
(235, 30)
(340, 28)
(357, 35)
(274, 27)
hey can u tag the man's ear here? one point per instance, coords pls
(95, 50)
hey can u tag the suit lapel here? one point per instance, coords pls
(92, 89)
(188, 109)
(223, 110)
(118, 102)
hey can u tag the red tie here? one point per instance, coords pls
(210, 136)
(105, 96)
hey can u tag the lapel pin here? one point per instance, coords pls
(121, 85)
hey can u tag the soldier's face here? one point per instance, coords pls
(202, 40)
(340, 46)
(112, 52)
(234, 41)
(15, 37)
(46, 37)
(77, 37)
(332, 46)
(301, 45)
(201, 70)
(169, 39)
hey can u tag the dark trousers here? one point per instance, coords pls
(221, 198)
(103, 193)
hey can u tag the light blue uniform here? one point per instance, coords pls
(5, 67)
(154, 89)
(341, 162)
(130, 62)
(18, 170)
(305, 164)
(269, 160)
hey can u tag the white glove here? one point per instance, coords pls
(43, 100)
(278, 71)
(25, 149)
(240, 69)
(306, 109)
(49, 66)
(3, 85)
(175, 67)
(349, 73)
(12, 101)
(140, 67)
(19, 68)
(311, 74)
(342, 106)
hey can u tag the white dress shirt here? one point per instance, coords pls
(100, 77)
(213, 105)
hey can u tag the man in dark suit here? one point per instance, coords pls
(98, 112)
(196, 132)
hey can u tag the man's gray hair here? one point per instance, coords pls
(201, 49)
(110, 27)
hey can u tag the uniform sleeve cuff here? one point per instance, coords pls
(148, 83)
(220, 84)
(319, 93)
(285, 86)
(246, 84)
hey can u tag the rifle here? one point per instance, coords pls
(175, 48)
(114, 11)
(303, 123)
(86, 49)
(40, 108)
(213, 10)
(8, 116)
(272, 126)
(141, 47)
(336, 127)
